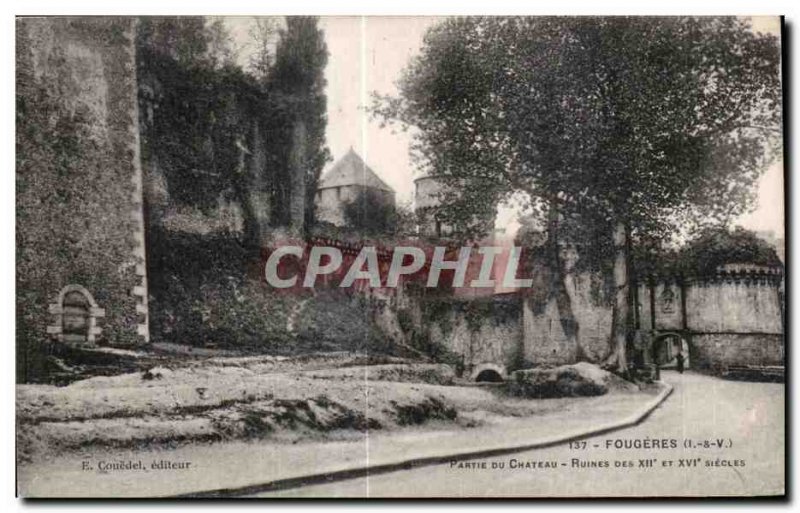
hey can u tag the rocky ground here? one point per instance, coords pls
(323, 397)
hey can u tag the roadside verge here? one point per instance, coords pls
(434, 459)
(242, 468)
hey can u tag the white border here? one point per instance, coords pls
(240, 7)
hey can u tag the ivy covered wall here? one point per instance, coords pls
(77, 214)
(229, 157)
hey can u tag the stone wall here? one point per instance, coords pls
(568, 317)
(220, 154)
(710, 350)
(481, 331)
(667, 298)
(552, 339)
(730, 319)
(738, 306)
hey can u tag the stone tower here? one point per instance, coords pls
(343, 183)
(81, 276)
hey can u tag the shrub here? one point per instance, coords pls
(207, 291)
(335, 321)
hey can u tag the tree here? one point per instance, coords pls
(222, 51)
(263, 34)
(298, 79)
(716, 247)
(619, 127)
(189, 40)
(370, 213)
(182, 38)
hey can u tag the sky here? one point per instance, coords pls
(368, 54)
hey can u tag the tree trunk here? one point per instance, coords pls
(297, 177)
(622, 299)
(250, 224)
(562, 283)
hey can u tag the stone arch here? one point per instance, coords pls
(76, 288)
(76, 313)
(663, 355)
(489, 370)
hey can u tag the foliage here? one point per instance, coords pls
(335, 321)
(220, 133)
(406, 221)
(716, 247)
(297, 79)
(200, 291)
(193, 135)
(217, 132)
(263, 35)
(620, 126)
(182, 39)
(209, 292)
(370, 213)
(645, 120)
(701, 256)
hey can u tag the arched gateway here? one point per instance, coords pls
(666, 347)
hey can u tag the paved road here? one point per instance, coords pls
(746, 418)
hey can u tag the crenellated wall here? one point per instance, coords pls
(726, 305)
(732, 318)
(712, 350)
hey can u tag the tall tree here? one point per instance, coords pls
(191, 41)
(629, 126)
(298, 77)
(182, 38)
(263, 34)
(222, 51)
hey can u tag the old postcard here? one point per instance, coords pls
(403, 257)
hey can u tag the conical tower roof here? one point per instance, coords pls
(352, 170)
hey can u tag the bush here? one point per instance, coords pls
(371, 213)
(207, 291)
(336, 321)
(202, 295)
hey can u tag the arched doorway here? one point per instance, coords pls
(489, 376)
(76, 315)
(666, 348)
(489, 373)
